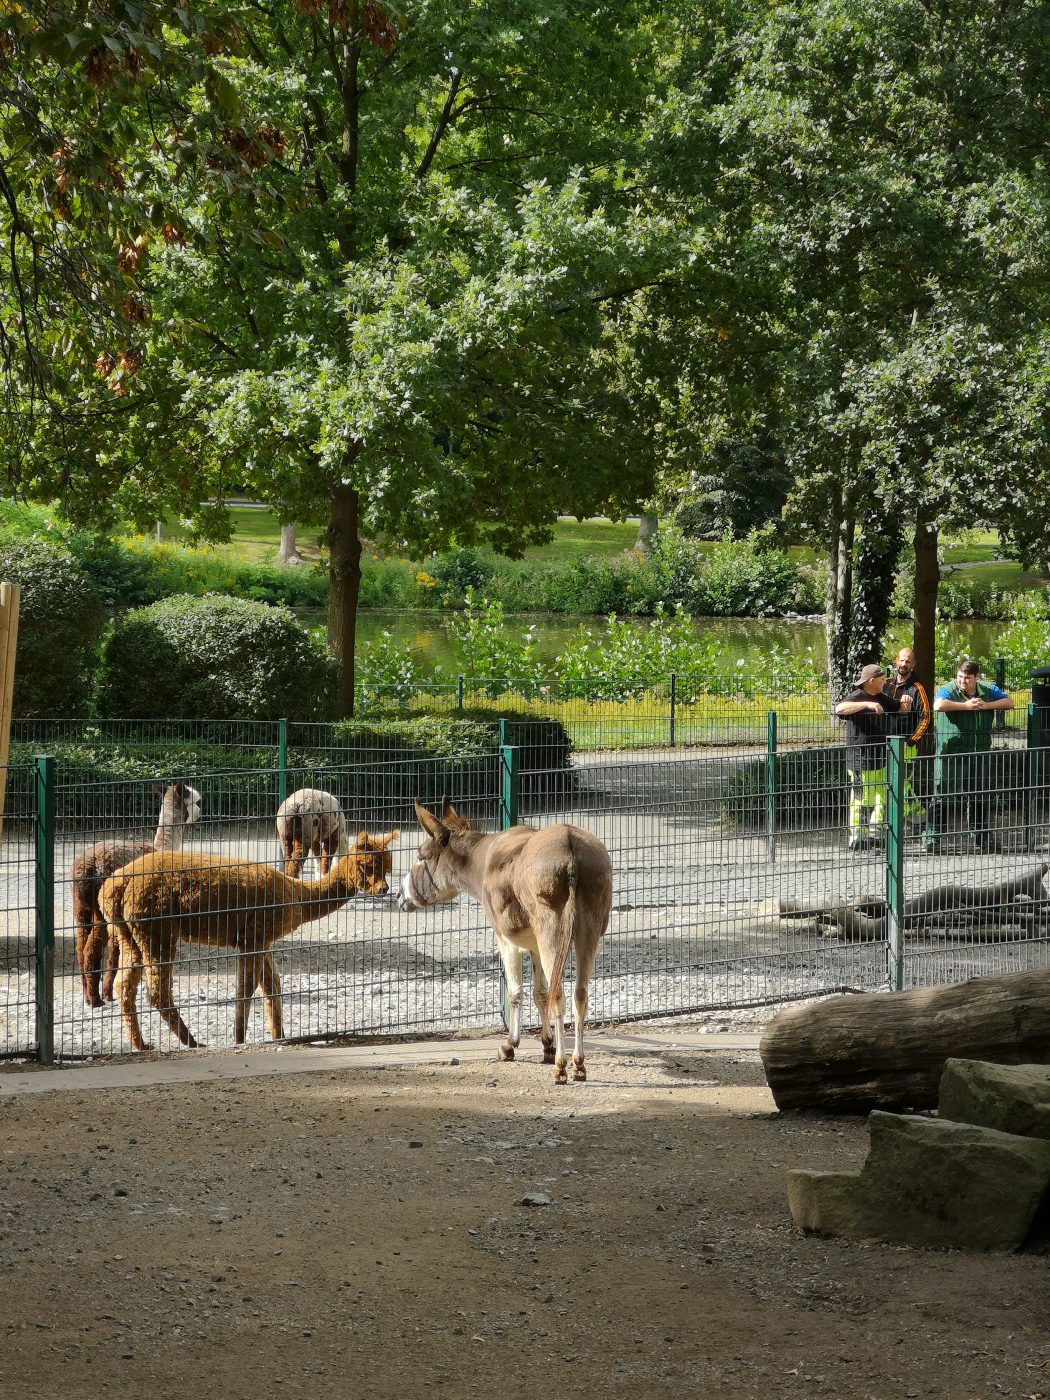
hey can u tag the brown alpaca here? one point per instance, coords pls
(166, 898)
(181, 805)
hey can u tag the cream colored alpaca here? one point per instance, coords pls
(311, 822)
(165, 898)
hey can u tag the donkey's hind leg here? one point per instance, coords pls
(539, 996)
(510, 956)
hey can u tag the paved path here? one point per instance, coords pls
(209, 1066)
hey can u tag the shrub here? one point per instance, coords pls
(60, 622)
(811, 791)
(458, 571)
(376, 769)
(215, 658)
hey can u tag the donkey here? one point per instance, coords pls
(544, 893)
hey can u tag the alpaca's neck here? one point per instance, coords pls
(168, 836)
(314, 899)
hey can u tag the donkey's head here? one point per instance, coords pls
(434, 873)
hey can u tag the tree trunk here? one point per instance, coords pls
(288, 554)
(838, 611)
(878, 553)
(927, 580)
(647, 528)
(344, 555)
(855, 1053)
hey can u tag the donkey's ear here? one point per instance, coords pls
(389, 840)
(430, 824)
(452, 819)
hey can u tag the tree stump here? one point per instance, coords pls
(851, 1054)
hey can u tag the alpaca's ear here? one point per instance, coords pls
(430, 824)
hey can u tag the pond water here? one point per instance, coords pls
(423, 634)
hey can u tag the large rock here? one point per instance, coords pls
(1011, 1098)
(932, 1183)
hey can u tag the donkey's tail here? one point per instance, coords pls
(566, 935)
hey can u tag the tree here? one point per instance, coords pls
(404, 271)
(872, 177)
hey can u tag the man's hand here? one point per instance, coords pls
(876, 708)
(905, 703)
(975, 703)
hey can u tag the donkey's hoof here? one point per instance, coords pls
(505, 1052)
(579, 1070)
(560, 1077)
(548, 1054)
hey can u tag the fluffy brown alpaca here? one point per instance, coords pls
(166, 898)
(180, 805)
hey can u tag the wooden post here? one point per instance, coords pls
(10, 598)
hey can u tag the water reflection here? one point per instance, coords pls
(741, 638)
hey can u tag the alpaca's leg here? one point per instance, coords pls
(249, 974)
(159, 985)
(90, 939)
(112, 963)
(129, 975)
(270, 986)
(295, 852)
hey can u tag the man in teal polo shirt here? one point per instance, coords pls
(962, 775)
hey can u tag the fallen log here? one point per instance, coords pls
(986, 897)
(864, 918)
(887, 1049)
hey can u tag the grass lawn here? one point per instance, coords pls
(257, 533)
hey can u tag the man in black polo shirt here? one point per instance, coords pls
(865, 711)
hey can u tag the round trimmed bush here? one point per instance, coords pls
(60, 622)
(214, 657)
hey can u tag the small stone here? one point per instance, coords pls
(535, 1198)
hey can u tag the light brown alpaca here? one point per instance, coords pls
(180, 805)
(163, 899)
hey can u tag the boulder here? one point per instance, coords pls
(932, 1183)
(1010, 1098)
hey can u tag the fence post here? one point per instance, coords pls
(508, 817)
(999, 718)
(672, 690)
(10, 599)
(508, 787)
(459, 694)
(895, 773)
(45, 908)
(771, 784)
(1032, 766)
(282, 760)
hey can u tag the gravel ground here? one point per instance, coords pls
(365, 1232)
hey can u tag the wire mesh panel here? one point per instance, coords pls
(723, 882)
(17, 959)
(346, 961)
(976, 901)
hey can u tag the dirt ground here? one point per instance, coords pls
(364, 1233)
